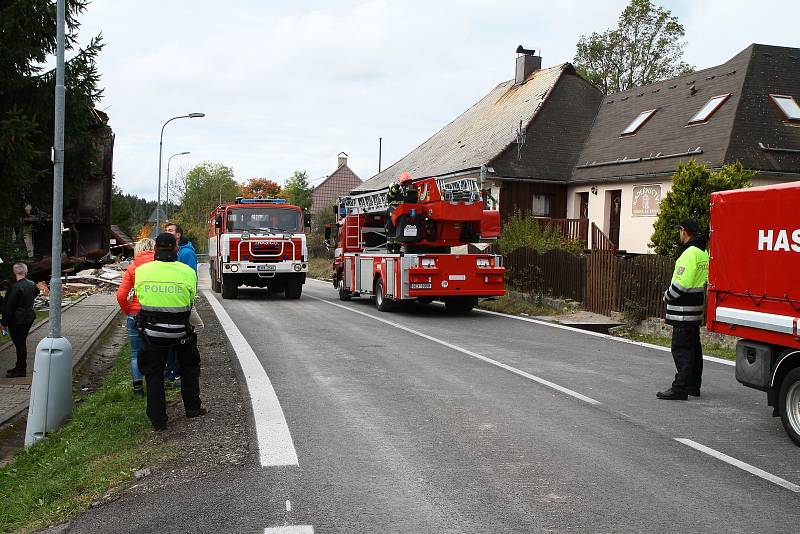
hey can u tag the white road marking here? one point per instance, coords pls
(740, 464)
(275, 445)
(514, 370)
(290, 529)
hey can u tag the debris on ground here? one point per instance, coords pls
(82, 284)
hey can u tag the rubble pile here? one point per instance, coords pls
(84, 283)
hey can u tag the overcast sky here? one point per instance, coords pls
(289, 85)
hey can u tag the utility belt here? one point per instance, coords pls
(158, 332)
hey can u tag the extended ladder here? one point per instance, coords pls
(464, 189)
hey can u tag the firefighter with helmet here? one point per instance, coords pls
(395, 196)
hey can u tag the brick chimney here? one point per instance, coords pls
(342, 159)
(527, 62)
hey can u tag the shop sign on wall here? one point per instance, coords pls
(646, 200)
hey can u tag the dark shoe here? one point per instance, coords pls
(196, 413)
(138, 388)
(694, 392)
(160, 427)
(671, 394)
(16, 372)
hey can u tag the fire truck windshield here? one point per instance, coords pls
(265, 219)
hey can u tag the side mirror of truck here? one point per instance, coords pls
(307, 219)
(218, 221)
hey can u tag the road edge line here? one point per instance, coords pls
(275, 445)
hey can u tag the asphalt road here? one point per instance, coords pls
(420, 422)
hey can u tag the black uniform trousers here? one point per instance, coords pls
(19, 336)
(153, 360)
(688, 355)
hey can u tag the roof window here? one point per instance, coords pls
(788, 106)
(711, 106)
(637, 123)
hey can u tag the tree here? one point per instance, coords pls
(122, 212)
(261, 187)
(690, 197)
(297, 190)
(646, 46)
(206, 185)
(27, 39)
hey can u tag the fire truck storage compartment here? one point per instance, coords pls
(388, 283)
(348, 272)
(753, 363)
(364, 277)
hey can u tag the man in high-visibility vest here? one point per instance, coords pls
(166, 289)
(685, 302)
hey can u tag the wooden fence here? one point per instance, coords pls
(601, 280)
(572, 229)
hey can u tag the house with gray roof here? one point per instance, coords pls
(745, 110)
(527, 132)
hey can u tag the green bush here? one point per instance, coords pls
(692, 185)
(523, 230)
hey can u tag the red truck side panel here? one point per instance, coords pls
(754, 273)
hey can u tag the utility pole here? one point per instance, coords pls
(51, 389)
(380, 147)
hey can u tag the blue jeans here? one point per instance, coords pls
(136, 346)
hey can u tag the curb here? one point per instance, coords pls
(83, 351)
(42, 323)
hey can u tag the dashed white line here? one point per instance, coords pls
(740, 464)
(275, 445)
(290, 529)
(514, 370)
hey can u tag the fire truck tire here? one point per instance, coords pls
(457, 305)
(229, 288)
(789, 404)
(381, 302)
(294, 287)
(216, 287)
(344, 294)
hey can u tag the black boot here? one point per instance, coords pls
(16, 372)
(671, 394)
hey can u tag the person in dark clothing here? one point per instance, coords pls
(685, 303)
(18, 316)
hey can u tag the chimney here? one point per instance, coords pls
(342, 159)
(527, 62)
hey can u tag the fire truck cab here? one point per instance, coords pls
(258, 242)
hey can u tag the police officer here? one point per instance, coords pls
(685, 298)
(394, 197)
(166, 289)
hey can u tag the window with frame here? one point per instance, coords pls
(788, 107)
(705, 113)
(541, 206)
(638, 122)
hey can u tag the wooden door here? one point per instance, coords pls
(616, 210)
(583, 212)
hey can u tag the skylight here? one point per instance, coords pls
(788, 106)
(637, 123)
(706, 111)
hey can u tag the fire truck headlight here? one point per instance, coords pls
(297, 267)
(227, 267)
(234, 268)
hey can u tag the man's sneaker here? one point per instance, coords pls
(671, 394)
(196, 413)
(16, 372)
(138, 388)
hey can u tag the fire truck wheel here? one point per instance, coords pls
(229, 288)
(384, 304)
(216, 287)
(294, 287)
(456, 305)
(789, 404)
(344, 294)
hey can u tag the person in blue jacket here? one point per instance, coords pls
(188, 256)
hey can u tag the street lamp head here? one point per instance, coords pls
(196, 115)
(184, 153)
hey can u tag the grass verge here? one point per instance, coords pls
(518, 305)
(319, 268)
(709, 349)
(90, 457)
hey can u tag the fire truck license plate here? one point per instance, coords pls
(265, 268)
(421, 286)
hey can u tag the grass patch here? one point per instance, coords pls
(709, 349)
(320, 268)
(94, 453)
(518, 305)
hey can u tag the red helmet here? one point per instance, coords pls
(405, 178)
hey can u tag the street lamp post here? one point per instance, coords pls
(160, 151)
(166, 207)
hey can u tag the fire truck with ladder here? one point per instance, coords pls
(436, 215)
(258, 242)
(753, 290)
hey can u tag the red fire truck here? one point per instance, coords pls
(258, 242)
(754, 290)
(436, 216)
